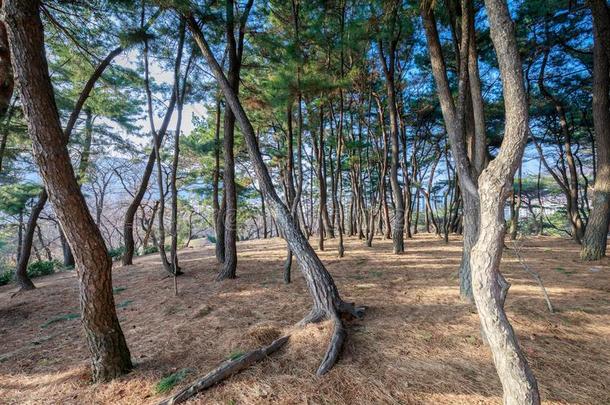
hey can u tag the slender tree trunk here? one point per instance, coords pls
(489, 287)
(399, 205)
(21, 271)
(109, 353)
(596, 235)
(180, 96)
(47, 251)
(139, 195)
(218, 213)
(234, 53)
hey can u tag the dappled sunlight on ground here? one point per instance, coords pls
(418, 343)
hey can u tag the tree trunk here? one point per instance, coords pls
(399, 205)
(139, 195)
(326, 299)
(218, 214)
(7, 83)
(596, 235)
(234, 53)
(109, 353)
(495, 182)
(21, 271)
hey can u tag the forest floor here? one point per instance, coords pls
(418, 343)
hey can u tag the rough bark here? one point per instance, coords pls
(495, 183)
(234, 52)
(109, 353)
(596, 234)
(7, 82)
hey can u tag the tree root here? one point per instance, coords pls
(345, 311)
(334, 347)
(225, 370)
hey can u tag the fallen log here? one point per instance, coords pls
(225, 370)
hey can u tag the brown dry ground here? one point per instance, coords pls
(417, 344)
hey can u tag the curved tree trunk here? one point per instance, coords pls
(489, 287)
(130, 214)
(21, 271)
(109, 353)
(326, 299)
(596, 235)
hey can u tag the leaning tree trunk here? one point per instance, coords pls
(109, 353)
(21, 271)
(326, 299)
(130, 214)
(495, 183)
(596, 234)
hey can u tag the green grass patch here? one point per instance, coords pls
(564, 271)
(61, 318)
(168, 382)
(376, 273)
(124, 304)
(236, 354)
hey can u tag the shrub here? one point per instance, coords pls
(117, 253)
(6, 276)
(42, 268)
(149, 249)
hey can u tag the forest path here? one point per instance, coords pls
(418, 343)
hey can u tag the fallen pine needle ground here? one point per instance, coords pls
(418, 343)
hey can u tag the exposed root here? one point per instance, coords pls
(314, 316)
(334, 347)
(351, 310)
(225, 370)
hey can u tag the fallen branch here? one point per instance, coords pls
(516, 251)
(225, 370)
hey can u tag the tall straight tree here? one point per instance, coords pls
(596, 234)
(110, 356)
(235, 50)
(470, 146)
(388, 63)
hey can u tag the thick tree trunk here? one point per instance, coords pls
(596, 235)
(326, 299)
(109, 353)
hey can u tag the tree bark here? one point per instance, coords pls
(109, 353)
(596, 234)
(234, 52)
(7, 82)
(489, 287)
